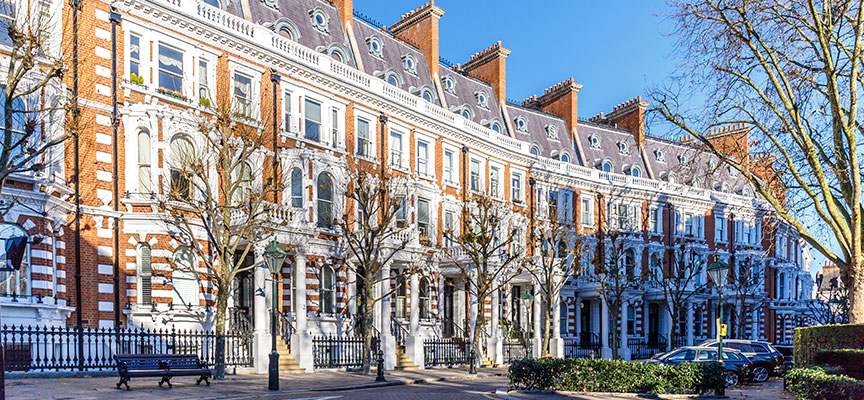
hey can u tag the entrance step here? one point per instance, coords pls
(403, 362)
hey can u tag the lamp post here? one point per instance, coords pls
(718, 271)
(274, 257)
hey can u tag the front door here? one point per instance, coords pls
(448, 308)
(653, 323)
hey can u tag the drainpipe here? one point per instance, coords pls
(275, 79)
(77, 5)
(115, 122)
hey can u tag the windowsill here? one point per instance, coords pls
(518, 203)
(428, 177)
(454, 185)
(587, 226)
(370, 159)
(399, 168)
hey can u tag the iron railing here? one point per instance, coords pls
(238, 320)
(341, 352)
(641, 348)
(398, 331)
(451, 329)
(575, 349)
(446, 352)
(515, 350)
(57, 348)
(678, 341)
(286, 328)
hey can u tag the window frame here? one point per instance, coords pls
(160, 70)
(516, 191)
(308, 122)
(397, 154)
(322, 204)
(324, 291)
(426, 228)
(141, 276)
(586, 200)
(296, 189)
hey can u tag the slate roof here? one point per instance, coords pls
(607, 148)
(691, 166)
(535, 131)
(464, 95)
(392, 53)
(298, 14)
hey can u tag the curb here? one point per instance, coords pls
(505, 392)
(401, 382)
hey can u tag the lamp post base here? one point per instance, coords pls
(273, 371)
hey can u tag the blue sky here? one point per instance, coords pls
(615, 48)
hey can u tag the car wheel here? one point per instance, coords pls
(731, 379)
(760, 374)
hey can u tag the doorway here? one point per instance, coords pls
(653, 323)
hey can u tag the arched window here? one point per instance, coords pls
(145, 285)
(635, 171)
(536, 150)
(184, 278)
(325, 200)
(424, 298)
(287, 29)
(144, 179)
(296, 188)
(327, 282)
(393, 79)
(496, 127)
(466, 113)
(181, 158)
(284, 32)
(565, 157)
(336, 56)
(426, 95)
(607, 166)
(14, 248)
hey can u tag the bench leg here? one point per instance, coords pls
(165, 379)
(204, 378)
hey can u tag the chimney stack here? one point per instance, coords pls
(490, 66)
(561, 100)
(630, 116)
(346, 10)
(420, 28)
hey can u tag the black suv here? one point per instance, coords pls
(788, 355)
(738, 367)
(767, 361)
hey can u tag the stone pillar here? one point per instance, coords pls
(667, 325)
(578, 323)
(301, 341)
(414, 342)
(351, 289)
(473, 317)
(605, 351)
(388, 342)
(537, 303)
(690, 323)
(494, 345)
(556, 344)
(623, 349)
(260, 315)
(754, 331)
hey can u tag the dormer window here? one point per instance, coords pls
(449, 84)
(660, 156)
(565, 157)
(607, 166)
(466, 113)
(623, 148)
(482, 99)
(521, 124)
(682, 158)
(495, 127)
(636, 171)
(320, 19)
(464, 110)
(409, 63)
(536, 150)
(594, 142)
(374, 44)
(552, 132)
(392, 78)
(426, 94)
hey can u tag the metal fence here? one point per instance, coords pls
(641, 348)
(573, 348)
(445, 351)
(515, 350)
(61, 348)
(341, 352)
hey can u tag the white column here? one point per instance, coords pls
(754, 334)
(667, 325)
(556, 344)
(473, 315)
(605, 351)
(690, 323)
(578, 324)
(414, 341)
(260, 315)
(352, 292)
(388, 342)
(301, 342)
(536, 323)
(623, 349)
(494, 347)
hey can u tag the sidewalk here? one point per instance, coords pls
(98, 388)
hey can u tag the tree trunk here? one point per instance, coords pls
(548, 324)
(479, 324)
(367, 309)
(613, 329)
(856, 293)
(221, 307)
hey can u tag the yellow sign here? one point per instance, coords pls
(722, 329)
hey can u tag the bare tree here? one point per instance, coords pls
(33, 91)
(617, 276)
(745, 281)
(831, 305)
(373, 237)
(679, 282)
(557, 258)
(482, 253)
(791, 72)
(218, 206)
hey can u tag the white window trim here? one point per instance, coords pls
(523, 182)
(255, 74)
(445, 147)
(431, 143)
(372, 119)
(590, 197)
(502, 179)
(481, 181)
(405, 134)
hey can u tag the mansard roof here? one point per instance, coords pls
(298, 17)
(391, 59)
(691, 166)
(464, 94)
(601, 143)
(536, 131)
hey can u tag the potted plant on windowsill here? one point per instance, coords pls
(136, 79)
(425, 240)
(171, 93)
(204, 102)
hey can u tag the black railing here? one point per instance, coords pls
(398, 331)
(576, 349)
(341, 352)
(641, 349)
(445, 352)
(286, 328)
(56, 348)
(515, 350)
(238, 320)
(589, 338)
(678, 341)
(451, 329)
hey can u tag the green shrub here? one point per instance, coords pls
(599, 375)
(813, 339)
(817, 383)
(849, 361)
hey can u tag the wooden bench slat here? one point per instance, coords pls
(165, 366)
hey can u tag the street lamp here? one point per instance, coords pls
(274, 257)
(718, 271)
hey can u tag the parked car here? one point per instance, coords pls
(738, 367)
(767, 361)
(788, 357)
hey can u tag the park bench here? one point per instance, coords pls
(165, 366)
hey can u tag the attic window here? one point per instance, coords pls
(636, 171)
(449, 84)
(660, 155)
(274, 4)
(623, 148)
(374, 44)
(594, 141)
(682, 158)
(466, 113)
(607, 166)
(552, 132)
(495, 127)
(536, 150)
(565, 157)
(409, 63)
(521, 124)
(482, 99)
(320, 19)
(426, 94)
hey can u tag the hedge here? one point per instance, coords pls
(817, 383)
(600, 375)
(849, 361)
(811, 340)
